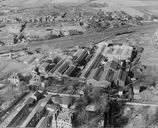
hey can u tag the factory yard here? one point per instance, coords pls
(149, 56)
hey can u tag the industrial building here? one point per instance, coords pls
(57, 66)
(79, 55)
(19, 111)
(69, 70)
(104, 75)
(62, 68)
(43, 123)
(120, 77)
(37, 113)
(94, 62)
(43, 68)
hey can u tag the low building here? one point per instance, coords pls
(14, 79)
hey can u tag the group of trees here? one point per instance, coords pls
(95, 97)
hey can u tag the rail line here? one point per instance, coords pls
(79, 39)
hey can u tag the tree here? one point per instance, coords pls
(96, 97)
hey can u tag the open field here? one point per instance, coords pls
(133, 7)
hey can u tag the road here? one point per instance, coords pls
(86, 39)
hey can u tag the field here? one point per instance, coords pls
(133, 7)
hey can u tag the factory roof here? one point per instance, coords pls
(39, 107)
(78, 53)
(120, 74)
(63, 67)
(43, 122)
(109, 75)
(44, 65)
(65, 100)
(57, 65)
(69, 70)
(114, 64)
(14, 113)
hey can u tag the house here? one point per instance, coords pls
(35, 80)
(63, 120)
(14, 79)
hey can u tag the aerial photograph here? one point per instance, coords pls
(78, 63)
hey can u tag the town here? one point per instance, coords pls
(73, 67)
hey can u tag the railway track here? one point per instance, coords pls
(85, 39)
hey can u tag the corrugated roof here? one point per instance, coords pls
(44, 65)
(43, 122)
(39, 107)
(14, 113)
(120, 74)
(112, 64)
(69, 70)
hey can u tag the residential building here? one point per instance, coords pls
(14, 79)
(64, 119)
(69, 70)
(35, 80)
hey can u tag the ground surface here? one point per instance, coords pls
(133, 7)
